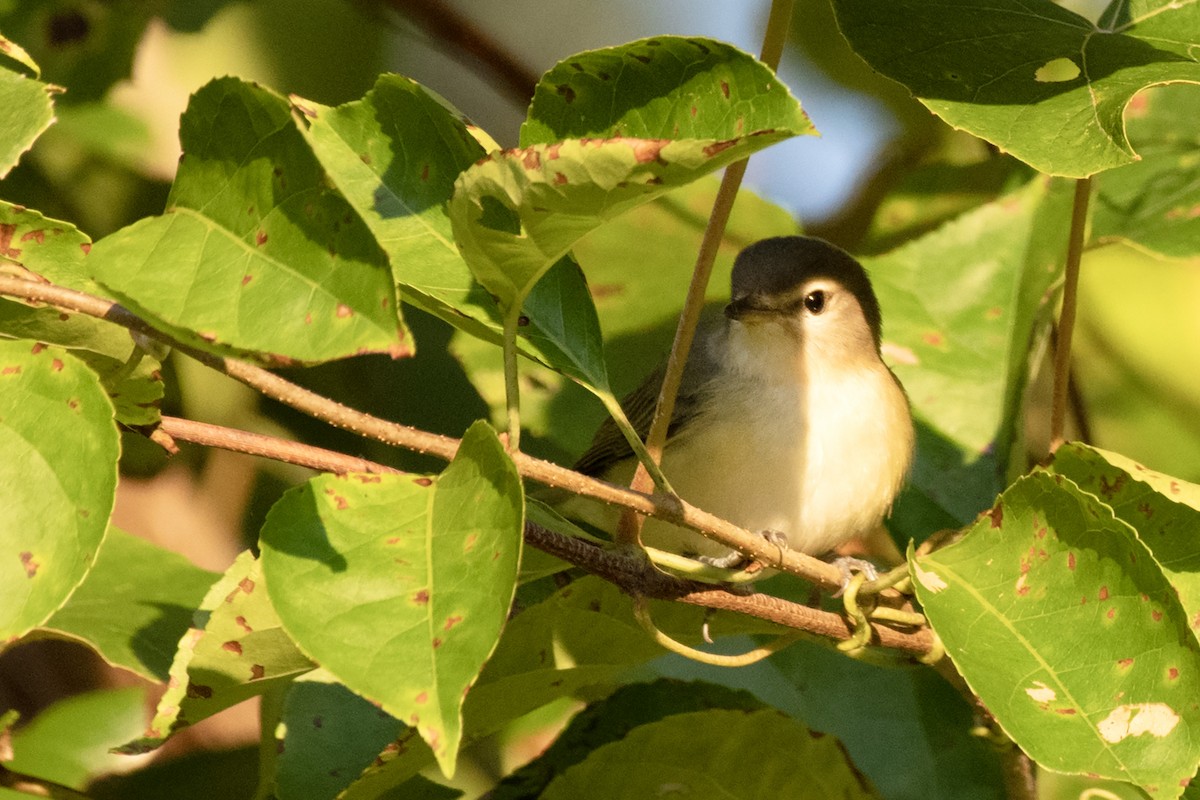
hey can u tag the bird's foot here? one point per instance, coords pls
(734, 560)
(848, 566)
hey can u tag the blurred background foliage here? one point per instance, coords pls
(884, 170)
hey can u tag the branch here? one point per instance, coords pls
(1066, 320)
(630, 573)
(671, 509)
(629, 529)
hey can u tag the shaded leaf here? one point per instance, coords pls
(1030, 76)
(705, 754)
(330, 736)
(964, 308)
(199, 775)
(134, 605)
(1164, 511)
(235, 649)
(69, 742)
(1062, 623)
(400, 585)
(1155, 203)
(255, 252)
(58, 475)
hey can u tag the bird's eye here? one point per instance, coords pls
(815, 301)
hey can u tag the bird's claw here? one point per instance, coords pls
(848, 566)
(735, 560)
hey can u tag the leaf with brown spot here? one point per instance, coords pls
(370, 620)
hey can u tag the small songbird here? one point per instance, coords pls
(787, 421)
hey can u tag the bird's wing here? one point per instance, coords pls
(609, 445)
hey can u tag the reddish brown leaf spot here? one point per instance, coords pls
(1023, 589)
(642, 57)
(716, 147)
(1111, 613)
(233, 646)
(425, 172)
(260, 238)
(246, 279)
(86, 247)
(393, 540)
(7, 230)
(73, 404)
(30, 564)
(604, 76)
(647, 151)
(1174, 487)
(63, 317)
(1125, 663)
(318, 722)
(1083, 601)
(1070, 561)
(566, 93)
(693, 111)
(340, 503)
(11, 369)
(452, 620)
(38, 236)
(1172, 673)
(725, 89)
(37, 348)
(344, 310)
(196, 690)
(1064, 711)
(308, 318)
(421, 598)
(423, 481)
(469, 542)
(1156, 615)
(560, 179)
(56, 365)
(246, 585)
(241, 623)
(933, 338)
(1109, 489)
(1146, 510)
(365, 158)
(422, 698)
(1103, 592)
(997, 516)
(531, 159)
(436, 643)
(552, 152)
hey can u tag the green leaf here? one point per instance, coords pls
(1061, 622)
(704, 754)
(256, 252)
(1164, 511)
(58, 476)
(1155, 203)
(610, 719)
(198, 775)
(17, 53)
(69, 742)
(28, 112)
(961, 343)
(666, 87)
(1030, 76)
(134, 605)
(330, 736)
(235, 649)
(400, 585)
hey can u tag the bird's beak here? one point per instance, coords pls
(748, 306)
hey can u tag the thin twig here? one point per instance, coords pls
(1066, 319)
(630, 573)
(671, 509)
(629, 529)
(258, 444)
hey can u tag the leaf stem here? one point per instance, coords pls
(669, 508)
(629, 530)
(1066, 319)
(512, 382)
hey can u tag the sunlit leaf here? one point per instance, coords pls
(1030, 76)
(1060, 620)
(28, 113)
(256, 252)
(235, 649)
(400, 585)
(58, 475)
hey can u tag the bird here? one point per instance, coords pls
(787, 423)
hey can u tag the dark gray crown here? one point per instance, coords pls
(773, 267)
